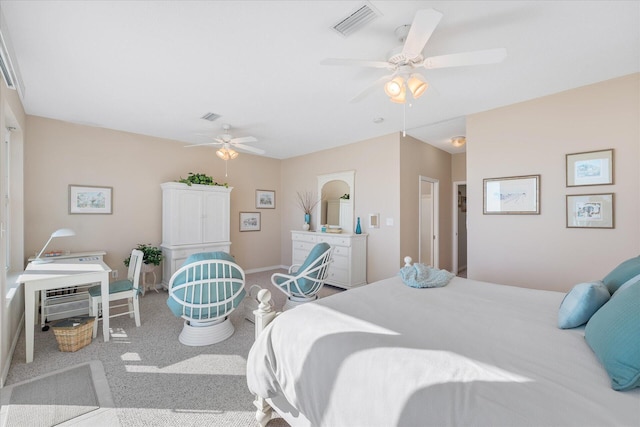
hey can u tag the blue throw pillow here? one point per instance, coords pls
(623, 272)
(177, 308)
(613, 333)
(581, 303)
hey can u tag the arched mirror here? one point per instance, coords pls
(337, 196)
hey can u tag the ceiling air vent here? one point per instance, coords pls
(211, 117)
(356, 19)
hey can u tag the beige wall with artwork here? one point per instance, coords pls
(534, 137)
(58, 154)
(376, 163)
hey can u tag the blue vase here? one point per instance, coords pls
(307, 218)
(358, 228)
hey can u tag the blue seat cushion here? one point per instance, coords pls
(114, 288)
(306, 284)
(580, 303)
(230, 288)
(623, 272)
(613, 333)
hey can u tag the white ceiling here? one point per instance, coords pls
(155, 67)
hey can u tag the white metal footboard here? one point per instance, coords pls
(263, 316)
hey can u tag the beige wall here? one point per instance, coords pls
(420, 159)
(58, 154)
(376, 163)
(459, 167)
(533, 138)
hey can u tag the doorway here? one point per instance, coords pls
(460, 228)
(428, 202)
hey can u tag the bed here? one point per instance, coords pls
(470, 353)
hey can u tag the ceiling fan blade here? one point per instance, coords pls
(248, 148)
(424, 23)
(371, 87)
(201, 145)
(356, 62)
(478, 57)
(243, 139)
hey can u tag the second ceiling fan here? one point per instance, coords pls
(229, 144)
(404, 64)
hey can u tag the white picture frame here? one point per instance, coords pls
(517, 195)
(590, 168)
(590, 210)
(249, 221)
(265, 199)
(88, 199)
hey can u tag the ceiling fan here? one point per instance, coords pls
(228, 144)
(404, 62)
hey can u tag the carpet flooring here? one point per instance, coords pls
(156, 381)
(57, 397)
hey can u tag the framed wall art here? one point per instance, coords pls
(590, 168)
(86, 199)
(249, 221)
(265, 199)
(519, 195)
(590, 211)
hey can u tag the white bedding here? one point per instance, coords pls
(470, 353)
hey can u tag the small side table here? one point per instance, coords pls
(148, 269)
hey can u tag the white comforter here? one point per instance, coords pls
(470, 353)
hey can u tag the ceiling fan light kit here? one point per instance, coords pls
(394, 86)
(417, 85)
(226, 153)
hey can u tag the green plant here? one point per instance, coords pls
(345, 196)
(200, 178)
(152, 254)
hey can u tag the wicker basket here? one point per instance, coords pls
(73, 333)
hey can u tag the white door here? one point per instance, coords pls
(429, 224)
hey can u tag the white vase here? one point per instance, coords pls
(305, 226)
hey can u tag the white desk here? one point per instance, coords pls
(58, 274)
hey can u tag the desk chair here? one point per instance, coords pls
(122, 289)
(303, 282)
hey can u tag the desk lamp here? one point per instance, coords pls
(63, 232)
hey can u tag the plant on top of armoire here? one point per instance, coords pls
(200, 178)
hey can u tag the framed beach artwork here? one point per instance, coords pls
(265, 199)
(249, 221)
(519, 195)
(590, 211)
(86, 199)
(590, 168)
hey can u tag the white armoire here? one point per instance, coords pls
(195, 219)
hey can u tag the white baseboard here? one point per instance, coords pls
(261, 269)
(14, 344)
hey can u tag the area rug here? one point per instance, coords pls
(55, 398)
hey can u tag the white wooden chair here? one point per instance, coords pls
(204, 291)
(120, 290)
(305, 280)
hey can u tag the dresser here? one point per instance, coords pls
(195, 219)
(349, 266)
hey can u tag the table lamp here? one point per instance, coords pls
(63, 232)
